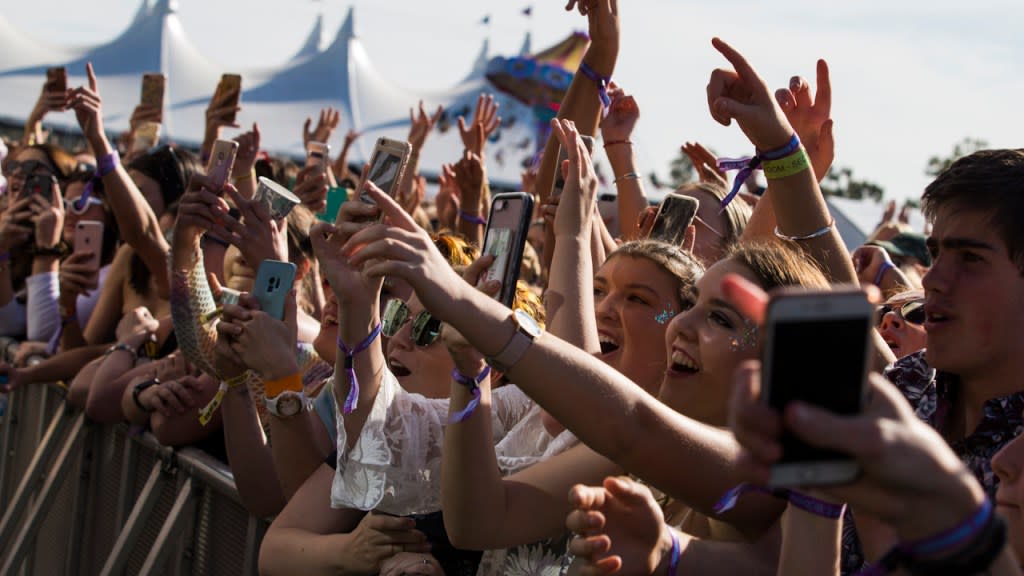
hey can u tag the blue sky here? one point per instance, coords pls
(910, 78)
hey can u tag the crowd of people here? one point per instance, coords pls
(400, 420)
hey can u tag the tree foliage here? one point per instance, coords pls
(938, 164)
(841, 182)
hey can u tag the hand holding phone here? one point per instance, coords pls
(56, 80)
(273, 282)
(817, 350)
(228, 95)
(504, 239)
(222, 160)
(563, 157)
(153, 88)
(89, 239)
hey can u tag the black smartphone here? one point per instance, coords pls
(39, 185)
(675, 214)
(817, 350)
(563, 155)
(507, 227)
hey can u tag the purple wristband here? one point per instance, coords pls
(473, 218)
(801, 501)
(677, 549)
(353, 393)
(107, 164)
(885, 267)
(601, 81)
(748, 164)
(474, 388)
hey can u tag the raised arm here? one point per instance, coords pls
(616, 129)
(136, 220)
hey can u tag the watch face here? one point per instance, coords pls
(289, 404)
(527, 323)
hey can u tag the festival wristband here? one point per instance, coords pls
(795, 163)
(885, 267)
(291, 383)
(474, 387)
(352, 400)
(473, 218)
(206, 412)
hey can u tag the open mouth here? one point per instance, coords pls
(608, 344)
(398, 369)
(682, 363)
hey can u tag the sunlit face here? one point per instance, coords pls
(17, 168)
(422, 370)
(93, 212)
(975, 312)
(1008, 464)
(711, 226)
(902, 336)
(704, 346)
(634, 299)
(150, 189)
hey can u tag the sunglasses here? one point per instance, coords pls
(27, 167)
(425, 328)
(79, 205)
(912, 312)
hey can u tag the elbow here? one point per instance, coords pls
(103, 407)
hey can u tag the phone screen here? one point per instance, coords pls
(674, 217)
(820, 362)
(383, 173)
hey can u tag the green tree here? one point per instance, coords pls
(841, 182)
(938, 164)
(681, 170)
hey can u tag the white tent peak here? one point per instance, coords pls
(480, 65)
(527, 45)
(348, 27)
(164, 7)
(314, 42)
(143, 11)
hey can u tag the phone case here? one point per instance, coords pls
(675, 214)
(56, 79)
(39, 185)
(273, 282)
(153, 87)
(89, 238)
(505, 239)
(229, 84)
(222, 160)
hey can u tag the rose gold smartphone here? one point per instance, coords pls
(675, 214)
(89, 238)
(817, 350)
(154, 87)
(57, 79)
(387, 166)
(222, 160)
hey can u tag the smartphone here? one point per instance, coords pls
(387, 166)
(817, 350)
(153, 89)
(89, 238)
(39, 185)
(675, 214)
(507, 228)
(273, 282)
(318, 154)
(229, 92)
(563, 155)
(222, 160)
(57, 79)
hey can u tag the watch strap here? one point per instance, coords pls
(272, 403)
(138, 389)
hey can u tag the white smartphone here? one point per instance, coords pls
(505, 239)
(387, 166)
(318, 154)
(817, 350)
(273, 282)
(222, 161)
(89, 238)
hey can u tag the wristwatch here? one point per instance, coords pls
(137, 391)
(288, 403)
(527, 330)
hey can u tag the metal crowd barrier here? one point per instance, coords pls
(79, 498)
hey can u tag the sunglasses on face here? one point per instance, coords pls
(78, 206)
(912, 312)
(27, 167)
(425, 328)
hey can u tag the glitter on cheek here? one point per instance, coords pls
(665, 316)
(747, 340)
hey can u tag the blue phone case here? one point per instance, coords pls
(273, 282)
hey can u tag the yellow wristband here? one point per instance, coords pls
(246, 176)
(795, 163)
(237, 381)
(273, 388)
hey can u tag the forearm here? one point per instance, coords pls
(43, 312)
(249, 456)
(63, 366)
(288, 551)
(33, 132)
(192, 301)
(810, 544)
(183, 429)
(711, 557)
(358, 320)
(6, 285)
(569, 299)
(133, 413)
(598, 248)
(761, 226)
(300, 446)
(631, 199)
(108, 385)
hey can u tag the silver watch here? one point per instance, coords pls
(527, 330)
(288, 403)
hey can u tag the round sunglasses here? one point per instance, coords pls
(80, 205)
(27, 167)
(912, 312)
(425, 328)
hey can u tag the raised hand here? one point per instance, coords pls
(447, 200)
(311, 187)
(576, 205)
(622, 115)
(704, 162)
(136, 326)
(742, 95)
(248, 149)
(420, 125)
(621, 528)
(200, 210)
(88, 107)
(258, 236)
(350, 285)
(220, 113)
(48, 218)
(325, 126)
(470, 175)
(15, 224)
(142, 114)
(485, 116)
(810, 117)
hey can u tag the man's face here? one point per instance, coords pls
(974, 298)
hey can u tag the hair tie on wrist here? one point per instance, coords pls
(474, 387)
(352, 399)
(473, 218)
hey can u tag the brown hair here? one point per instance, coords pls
(990, 182)
(737, 213)
(670, 258)
(777, 265)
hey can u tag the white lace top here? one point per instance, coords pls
(395, 464)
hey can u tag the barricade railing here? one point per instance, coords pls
(79, 498)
